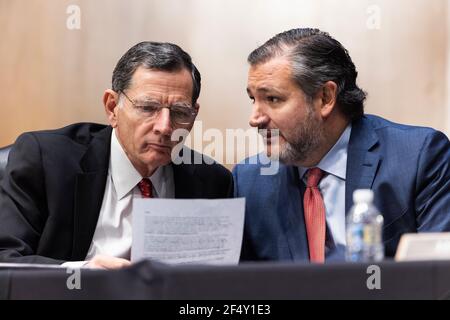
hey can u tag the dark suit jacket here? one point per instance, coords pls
(407, 168)
(52, 192)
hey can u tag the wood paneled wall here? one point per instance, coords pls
(51, 76)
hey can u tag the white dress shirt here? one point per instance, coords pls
(332, 186)
(113, 233)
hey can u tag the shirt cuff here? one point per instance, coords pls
(75, 264)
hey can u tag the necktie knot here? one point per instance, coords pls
(314, 176)
(145, 185)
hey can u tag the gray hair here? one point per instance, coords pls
(155, 56)
(315, 59)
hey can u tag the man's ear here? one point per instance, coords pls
(111, 103)
(328, 97)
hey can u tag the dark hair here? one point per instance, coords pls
(316, 58)
(157, 56)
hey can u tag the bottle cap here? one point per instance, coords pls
(363, 195)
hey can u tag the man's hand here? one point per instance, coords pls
(107, 262)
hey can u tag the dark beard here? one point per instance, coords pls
(306, 139)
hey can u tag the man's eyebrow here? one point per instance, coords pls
(146, 100)
(142, 101)
(264, 90)
(181, 103)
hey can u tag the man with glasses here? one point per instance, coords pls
(67, 194)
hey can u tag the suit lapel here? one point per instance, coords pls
(290, 208)
(363, 159)
(187, 186)
(89, 191)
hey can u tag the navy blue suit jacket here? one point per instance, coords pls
(407, 168)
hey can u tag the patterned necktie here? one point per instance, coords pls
(145, 185)
(314, 210)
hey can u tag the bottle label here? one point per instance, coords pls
(364, 243)
(356, 237)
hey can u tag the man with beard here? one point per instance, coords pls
(67, 194)
(303, 86)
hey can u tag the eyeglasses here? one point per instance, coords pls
(180, 113)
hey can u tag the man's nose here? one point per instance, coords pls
(163, 123)
(258, 118)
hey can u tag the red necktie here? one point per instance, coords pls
(145, 185)
(314, 210)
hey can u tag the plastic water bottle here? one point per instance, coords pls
(364, 229)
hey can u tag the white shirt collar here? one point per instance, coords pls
(335, 161)
(125, 177)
